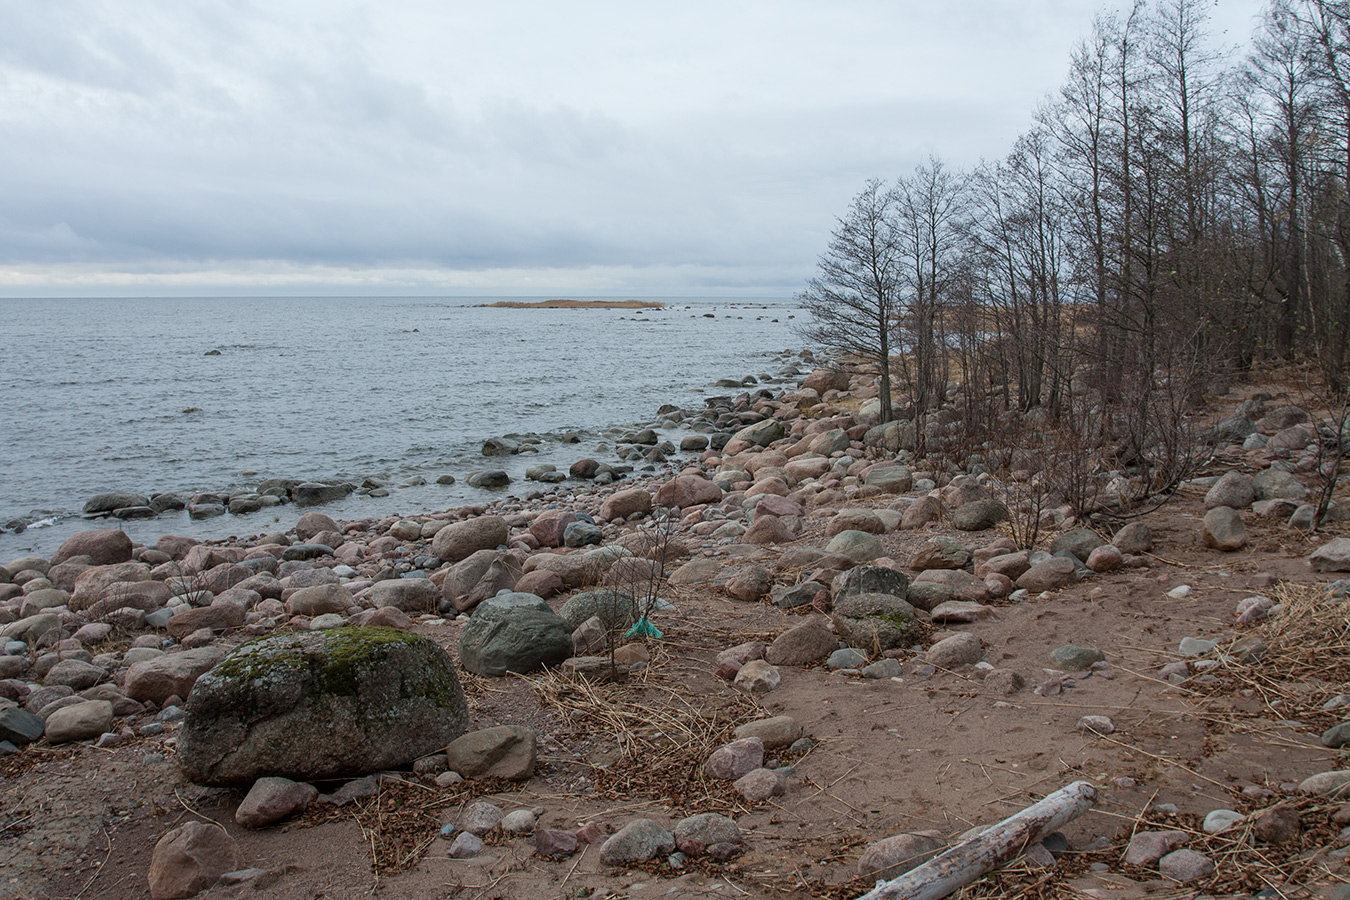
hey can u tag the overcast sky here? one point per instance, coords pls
(513, 147)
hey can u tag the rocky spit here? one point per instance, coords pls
(241, 660)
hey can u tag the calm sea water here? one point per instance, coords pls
(114, 394)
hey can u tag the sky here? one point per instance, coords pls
(520, 147)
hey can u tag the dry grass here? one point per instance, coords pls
(663, 736)
(1305, 663)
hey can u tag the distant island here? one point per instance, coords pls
(574, 304)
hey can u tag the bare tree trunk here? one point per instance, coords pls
(998, 845)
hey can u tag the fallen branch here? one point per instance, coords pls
(992, 848)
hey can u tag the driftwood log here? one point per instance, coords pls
(990, 849)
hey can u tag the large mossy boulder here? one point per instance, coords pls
(515, 632)
(875, 623)
(325, 704)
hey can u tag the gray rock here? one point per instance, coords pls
(774, 732)
(883, 668)
(846, 658)
(1192, 646)
(870, 580)
(106, 503)
(1074, 658)
(953, 652)
(1273, 484)
(582, 534)
(615, 609)
(858, 546)
(483, 574)
(1333, 556)
(1048, 575)
(940, 552)
(979, 515)
(895, 855)
(735, 759)
(1078, 541)
(482, 817)
(313, 493)
(75, 674)
(81, 721)
(875, 623)
(761, 434)
(1336, 784)
(19, 727)
(1185, 865)
(1134, 538)
(1336, 735)
(272, 799)
(504, 751)
(411, 595)
(1218, 820)
(1233, 490)
(638, 841)
(466, 845)
(708, 829)
(514, 633)
(1223, 530)
(890, 479)
(757, 678)
(190, 859)
(273, 706)
(802, 645)
(760, 785)
(461, 539)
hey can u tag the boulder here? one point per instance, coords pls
(1223, 530)
(190, 859)
(79, 722)
(616, 610)
(893, 856)
(953, 652)
(940, 552)
(514, 633)
(768, 529)
(1232, 490)
(684, 491)
(103, 547)
(550, 525)
(760, 434)
(870, 580)
(638, 841)
(1333, 556)
(1133, 538)
(921, 512)
(802, 645)
(625, 503)
(460, 540)
(1048, 575)
(411, 595)
(979, 515)
(506, 751)
(276, 706)
(312, 523)
(1078, 541)
(217, 617)
(319, 600)
(774, 733)
(483, 574)
(273, 799)
(875, 623)
(735, 759)
(1273, 484)
(858, 546)
(172, 674)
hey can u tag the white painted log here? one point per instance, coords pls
(994, 847)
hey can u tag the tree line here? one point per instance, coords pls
(1173, 216)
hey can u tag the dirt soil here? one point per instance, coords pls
(914, 753)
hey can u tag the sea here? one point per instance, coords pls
(194, 395)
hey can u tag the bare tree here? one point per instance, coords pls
(853, 300)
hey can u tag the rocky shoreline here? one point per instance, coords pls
(795, 519)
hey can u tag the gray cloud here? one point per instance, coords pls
(450, 146)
